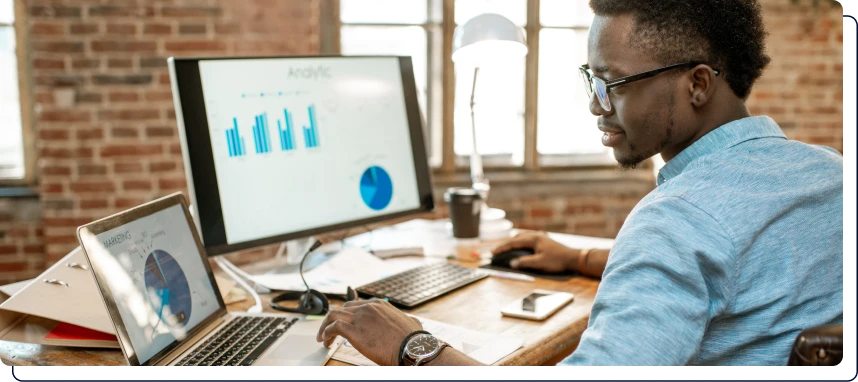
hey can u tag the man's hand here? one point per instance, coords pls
(374, 327)
(549, 255)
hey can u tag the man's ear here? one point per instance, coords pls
(702, 85)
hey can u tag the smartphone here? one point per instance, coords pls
(538, 305)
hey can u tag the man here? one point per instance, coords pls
(740, 245)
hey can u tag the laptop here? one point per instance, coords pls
(158, 287)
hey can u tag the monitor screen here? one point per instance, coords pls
(156, 278)
(300, 145)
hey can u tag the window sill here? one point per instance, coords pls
(18, 192)
(604, 175)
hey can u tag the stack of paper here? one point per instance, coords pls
(483, 347)
(351, 267)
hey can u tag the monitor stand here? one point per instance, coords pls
(294, 251)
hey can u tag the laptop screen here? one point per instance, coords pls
(156, 276)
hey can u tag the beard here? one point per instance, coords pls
(636, 156)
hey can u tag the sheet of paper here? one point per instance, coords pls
(485, 348)
(351, 267)
(11, 289)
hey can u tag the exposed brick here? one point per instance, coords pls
(86, 63)
(124, 203)
(91, 169)
(172, 184)
(170, 11)
(84, 29)
(227, 28)
(120, 63)
(87, 97)
(160, 131)
(159, 96)
(53, 134)
(34, 248)
(46, 63)
(127, 167)
(157, 29)
(195, 46)
(139, 185)
(59, 80)
(56, 47)
(124, 132)
(56, 170)
(129, 115)
(13, 267)
(87, 134)
(122, 79)
(107, 46)
(122, 29)
(46, 29)
(162, 166)
(192, 29)
(126, 151)
(65, 116)
(121, 11)
(541, 212)
(93, 204)
(123, 97)
(92, 186)
(153, 62)
(39, 11)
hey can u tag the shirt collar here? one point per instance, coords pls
(722, 138)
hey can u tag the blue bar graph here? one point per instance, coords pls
(234, 142)
(286, 136)
(311, 133)
(261, 135)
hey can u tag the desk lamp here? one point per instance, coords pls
(481, 41)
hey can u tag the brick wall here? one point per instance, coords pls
(803, 87)
(105, 119)
(106, 131)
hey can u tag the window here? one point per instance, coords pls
(541, 93)
(12, 142)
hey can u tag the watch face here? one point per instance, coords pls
(422, 345)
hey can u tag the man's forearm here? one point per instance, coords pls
(595, 264)
(453, 357)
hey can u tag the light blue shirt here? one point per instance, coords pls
(737, 250)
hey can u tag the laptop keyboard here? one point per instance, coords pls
(239, 343)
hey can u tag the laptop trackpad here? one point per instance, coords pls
(299, 347)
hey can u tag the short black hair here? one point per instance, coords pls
(726, 34)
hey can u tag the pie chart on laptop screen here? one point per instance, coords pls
(167, 288)
(376, 188)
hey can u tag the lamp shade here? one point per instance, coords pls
(486, 38)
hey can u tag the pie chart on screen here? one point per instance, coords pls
(376, 188)
(167, 288)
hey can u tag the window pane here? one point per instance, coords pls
(499, 110)
(400, 41)
(565, 125)
(11, 144)
(565, 13)
(515, 10)
(383, 11)
(7, 12)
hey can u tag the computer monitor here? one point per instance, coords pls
(278, 148)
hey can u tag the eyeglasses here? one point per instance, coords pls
(601, 88)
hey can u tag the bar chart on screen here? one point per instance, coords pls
(261, 129)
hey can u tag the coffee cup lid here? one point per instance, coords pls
(461, 193)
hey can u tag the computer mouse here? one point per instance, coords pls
(502, 259)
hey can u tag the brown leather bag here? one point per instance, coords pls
(819, 346)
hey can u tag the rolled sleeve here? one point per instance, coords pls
(668, 274)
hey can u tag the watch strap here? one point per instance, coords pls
(405, 342)
(440, 349)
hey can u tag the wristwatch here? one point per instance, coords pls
(421, 348)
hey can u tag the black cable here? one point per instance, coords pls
(313, 247)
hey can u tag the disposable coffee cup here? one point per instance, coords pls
(465, 206)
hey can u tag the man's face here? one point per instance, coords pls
(643, 118)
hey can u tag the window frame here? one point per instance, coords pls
(28, 135)
(452, 164)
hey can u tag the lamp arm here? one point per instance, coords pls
(480, 183)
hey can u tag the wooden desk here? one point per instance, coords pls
(475, 307)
